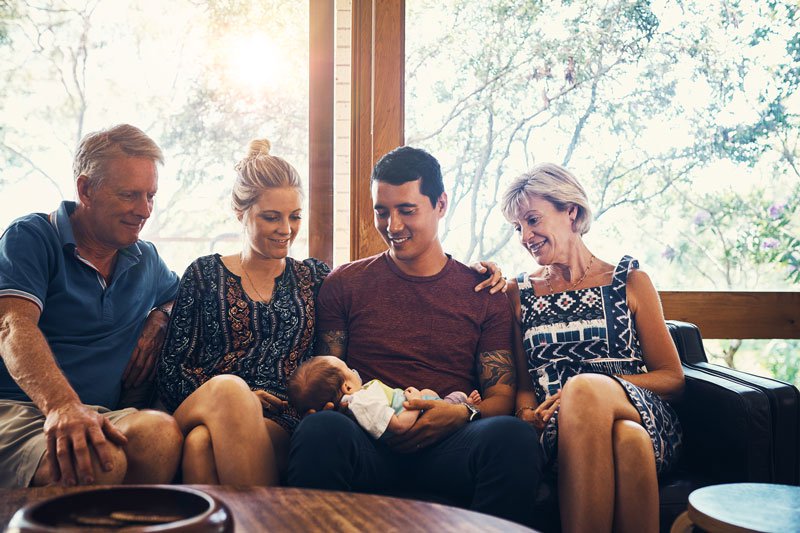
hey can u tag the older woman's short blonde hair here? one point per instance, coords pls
(259, 171)
(98, 148)
(555, 184)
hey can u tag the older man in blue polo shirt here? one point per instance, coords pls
(83, 307)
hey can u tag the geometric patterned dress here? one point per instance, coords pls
(591, 330)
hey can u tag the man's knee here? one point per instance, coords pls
(511, 444)
(119, 468)
(151, 432)
(113, 476)
(320, 451)
(323, 429)
(154, 446)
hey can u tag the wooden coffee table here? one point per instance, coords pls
(742, 507)
(290, 509)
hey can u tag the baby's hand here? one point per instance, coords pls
(413, 393)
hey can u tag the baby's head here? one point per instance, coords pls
(321, 380)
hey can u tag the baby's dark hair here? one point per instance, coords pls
(315, 383)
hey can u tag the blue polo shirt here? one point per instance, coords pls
(91, 327)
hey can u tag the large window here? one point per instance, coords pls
(201, 78)
(682, 119)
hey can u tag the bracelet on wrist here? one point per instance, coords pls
(524, 408)
(163, 309)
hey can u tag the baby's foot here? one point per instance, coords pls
(474, 398)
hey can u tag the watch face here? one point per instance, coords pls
(474, 413)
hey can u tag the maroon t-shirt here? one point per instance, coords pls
(411, 331)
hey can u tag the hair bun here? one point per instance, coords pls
(259, 147)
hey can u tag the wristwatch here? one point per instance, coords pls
(474, 412)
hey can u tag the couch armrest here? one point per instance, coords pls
(727, 422)
(783, 400)
(727, 429)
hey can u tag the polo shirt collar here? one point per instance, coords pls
(63, 226)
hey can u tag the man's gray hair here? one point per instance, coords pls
(555, 184)
(96, 149)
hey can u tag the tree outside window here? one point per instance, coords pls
(681, 118)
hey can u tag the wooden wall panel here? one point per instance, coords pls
(320, 129)
(737, 315)
(378, 86)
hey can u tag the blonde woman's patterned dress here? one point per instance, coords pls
(216, 328)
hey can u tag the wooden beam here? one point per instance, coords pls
(378, 85)
(320, 128)
(736, 315)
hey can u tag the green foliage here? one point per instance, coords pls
(642, 17)
(782, 360)
(8, 12)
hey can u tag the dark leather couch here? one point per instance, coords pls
(737, 427)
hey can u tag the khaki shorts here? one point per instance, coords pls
(22, 442)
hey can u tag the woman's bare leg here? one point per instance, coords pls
(279, 438)
(232, 414)
(636, 496)
(590, 405)
(198, 458)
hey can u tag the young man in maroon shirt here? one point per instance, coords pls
(410, 316)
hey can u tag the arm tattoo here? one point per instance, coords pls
(496, 367)
(332, 343)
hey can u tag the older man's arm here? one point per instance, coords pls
(142, 365)
(71, 428)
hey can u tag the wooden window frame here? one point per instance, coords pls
(321, 43)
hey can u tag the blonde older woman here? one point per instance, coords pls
(594, 359)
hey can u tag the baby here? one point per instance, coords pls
(327, 382)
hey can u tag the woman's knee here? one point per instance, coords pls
(634, 456)
(632, 440)
(197, 441)
(587, 395)
(227, 387)
(227, 392)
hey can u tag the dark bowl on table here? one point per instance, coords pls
(133, 508)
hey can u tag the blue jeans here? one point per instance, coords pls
(491, 466)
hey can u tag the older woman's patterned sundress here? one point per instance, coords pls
(591, 330)
(216, 328)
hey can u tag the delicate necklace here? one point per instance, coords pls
(585, 273)
(241, 261)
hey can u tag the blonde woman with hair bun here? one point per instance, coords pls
(240, 326)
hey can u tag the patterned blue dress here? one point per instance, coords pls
(216, 328)
(591, 330)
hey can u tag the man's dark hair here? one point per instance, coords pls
(405, 164)
(315, 383)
